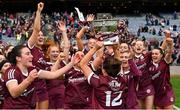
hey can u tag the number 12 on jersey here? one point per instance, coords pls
(117, 101)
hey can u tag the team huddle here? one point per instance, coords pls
(123, 75)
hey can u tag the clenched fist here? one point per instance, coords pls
(40, 6)
(32, 75)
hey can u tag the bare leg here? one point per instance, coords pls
(42, 105)
(149, 102)
(141, 104)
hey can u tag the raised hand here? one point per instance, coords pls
(62, 26)
(167, 33)
(40, 6)
(75, 59)
(61, 56)
(32, 75)
(169, 41)
(90, 18)
(99, 44)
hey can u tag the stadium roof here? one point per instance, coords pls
(93, 5)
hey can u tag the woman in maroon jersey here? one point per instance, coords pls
(110, 88)
(145, 90)
(55, 87)
(129, 72)
(160, 72)
(4, 65)
(19, 79)
(77, 91)
(35, 43)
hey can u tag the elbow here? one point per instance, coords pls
(14, 94)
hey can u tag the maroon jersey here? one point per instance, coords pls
(24, 101)
(78, 91)
(109, 92)
(55, 88)
(1, 92)
(40, 63)
(160, 75)
(129, 77)
(142, 63)
(144, 85)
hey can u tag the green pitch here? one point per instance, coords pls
(176, 87)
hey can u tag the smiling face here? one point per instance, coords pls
(156, 55)
(5, 67)
(139, 47)
(91, 43)
(40, 39)
(25, 57)
(123, 47)
(53, 53)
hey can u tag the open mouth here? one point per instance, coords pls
(30, 61)
(40, 40)
(55, 56)
(138, 49)
(125, 62)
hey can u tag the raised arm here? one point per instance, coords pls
(97, 62)
(37, 26)
(62, 28)
(169, 50)
(167, 35)
(80, 34)
(84, 62)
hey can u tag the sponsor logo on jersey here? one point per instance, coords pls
(114, 85)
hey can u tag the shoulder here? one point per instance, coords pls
(12, 73)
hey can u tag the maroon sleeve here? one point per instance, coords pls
(10, 75)
(94, 80)
(134, 69)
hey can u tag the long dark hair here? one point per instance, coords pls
(16, 51)
(112, 66)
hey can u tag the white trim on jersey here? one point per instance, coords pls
(15, 80)
(11, 74)
(25, 74)
(29, 46)
(93, 67)
(89, 77)
(155, 64)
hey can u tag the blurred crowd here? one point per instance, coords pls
(20, 25)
